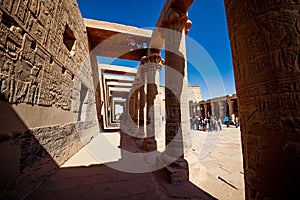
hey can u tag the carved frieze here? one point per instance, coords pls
(35, 66)
(28, 52)
(257, 145)
(7, 5)
(34, 6)
(21, 10)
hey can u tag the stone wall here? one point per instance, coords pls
(46, 90)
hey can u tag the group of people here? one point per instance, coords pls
(212, 123)
(206, 124)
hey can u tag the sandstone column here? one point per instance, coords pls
(205, 110)
(230, 105)
(213, 113)
(174, 81)
(221, 109)
(141, 114)
(265, 42)
(151, 65)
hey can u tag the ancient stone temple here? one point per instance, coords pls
(55, 98)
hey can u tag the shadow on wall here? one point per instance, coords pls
(24, 163)
(83, 104)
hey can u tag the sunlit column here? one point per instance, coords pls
(151, 65)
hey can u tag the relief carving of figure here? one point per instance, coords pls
(33, 85)
(15, 39)
(290, 43)
(7, 80)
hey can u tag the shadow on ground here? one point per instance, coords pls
(37, 176)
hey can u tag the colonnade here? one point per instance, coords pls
(143, 106)
(143, 110)
(217, 107)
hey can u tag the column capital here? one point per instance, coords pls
(151, 64)
(177, 20)
(153, 58)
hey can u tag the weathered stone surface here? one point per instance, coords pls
(265, 48)
(45, 70)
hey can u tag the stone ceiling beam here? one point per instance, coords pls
(122, 79)
(112, 40)
(115, 69)
(117, 84)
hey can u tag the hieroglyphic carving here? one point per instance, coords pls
(35, 66)
(34, 6)
(13, 43)
(22, 10)
(38, 31)
(43, 16)
(284, 27)
(7, 5)
(7, 80)
(4, 31)
(29, 46)
(265, 43)
(257, 145)
(271, 46)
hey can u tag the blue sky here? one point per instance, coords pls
(208, 49)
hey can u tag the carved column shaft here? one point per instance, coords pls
(174, 79)
(142, 104)
(265, 41)
(150, 68)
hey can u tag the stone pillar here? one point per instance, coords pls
(221, 110)
(175, 80)
(112, 110)
(135, 106)
(265, 38)
(151, 65)
(230, 105)
(141, 114)
(212, 106)
(205, 110)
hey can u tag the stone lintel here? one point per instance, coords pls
(115, 69)
(118, 84)
(111, 39)
(122, 79)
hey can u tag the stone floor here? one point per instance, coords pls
(93, 175)
(215, 161)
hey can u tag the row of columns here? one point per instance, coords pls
(218, 108)
(144, 106)
(143, 103)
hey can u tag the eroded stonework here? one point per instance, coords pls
(46, 89)
(36, 66)
(265, 42)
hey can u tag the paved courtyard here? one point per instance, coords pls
(216, 166)
(215, 160)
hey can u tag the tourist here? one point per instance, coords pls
(237, 122)
(219, 124)
(226, 120)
